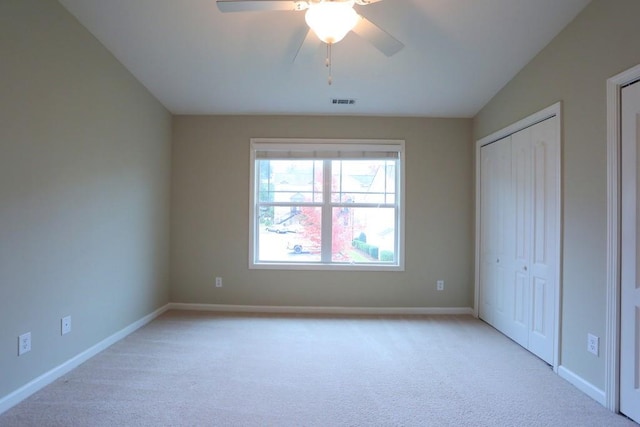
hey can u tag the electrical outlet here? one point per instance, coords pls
(593, 344)
(218, 282)
(24, 343)
(65, 325)
(440, 285)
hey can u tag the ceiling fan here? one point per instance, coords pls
(329, 20)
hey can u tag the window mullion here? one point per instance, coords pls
(326, 212)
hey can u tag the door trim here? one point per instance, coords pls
(614, 148)
(547, 113)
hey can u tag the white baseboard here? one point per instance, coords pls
(323, 310)
(47, 378)
(584, 386)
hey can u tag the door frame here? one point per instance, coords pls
(614, 208)
(554, 110)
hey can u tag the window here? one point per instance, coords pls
(326, 204)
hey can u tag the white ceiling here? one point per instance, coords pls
(196, 60)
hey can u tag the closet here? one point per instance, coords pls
(519, 235)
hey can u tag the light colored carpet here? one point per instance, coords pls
(205, 369)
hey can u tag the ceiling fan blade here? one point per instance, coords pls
(378, 37)
(308, 48)
(260, 5)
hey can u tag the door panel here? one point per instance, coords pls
(545, 155)
(487, 231)
(493, 206)
(543, 167)
(519, 293)
(630, 267)
(521, 305)
(539, 304)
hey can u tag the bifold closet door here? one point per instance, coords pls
(518, 256)
(518, 290)
(544, 234)
(495, 205)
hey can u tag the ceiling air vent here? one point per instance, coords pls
(343, 101)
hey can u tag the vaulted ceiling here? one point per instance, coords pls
(197, 60)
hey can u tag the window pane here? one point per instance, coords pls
(283, 217)
(363, 235)
(292, 234)
(289, 181)
(363, 181)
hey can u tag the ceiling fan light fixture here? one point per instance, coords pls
(331, 20)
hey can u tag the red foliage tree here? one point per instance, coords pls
(311, 221)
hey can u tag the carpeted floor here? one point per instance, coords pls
(205, 369)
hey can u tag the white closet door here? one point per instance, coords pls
(544, 259)
(518, 293)
(630, 267)
(494, 207)
(519, 188)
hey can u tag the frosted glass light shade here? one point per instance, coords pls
(331, 20)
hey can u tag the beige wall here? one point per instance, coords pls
(84, 191)
(601, 42)
(210, 215)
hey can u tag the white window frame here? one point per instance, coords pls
(324, 145)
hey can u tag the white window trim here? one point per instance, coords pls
(310, 144)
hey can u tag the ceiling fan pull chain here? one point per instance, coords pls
(328, 62)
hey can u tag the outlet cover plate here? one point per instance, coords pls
(65, 325)
(440, 285)
(593, 344)
(24, 343)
